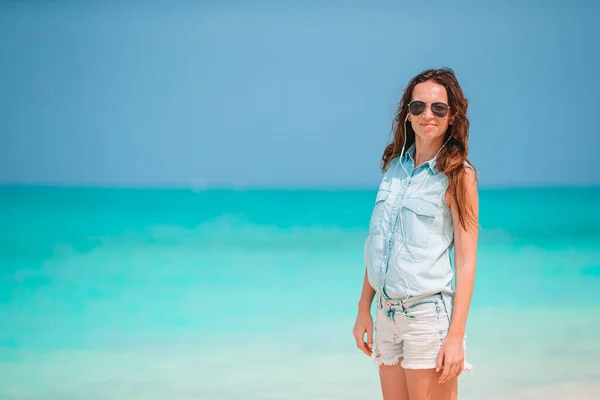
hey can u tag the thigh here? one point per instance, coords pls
(393, 382)
(422, 384)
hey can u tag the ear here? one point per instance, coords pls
(451, 120)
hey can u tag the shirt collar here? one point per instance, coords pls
(431, 163)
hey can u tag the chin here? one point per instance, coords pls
(429, 134)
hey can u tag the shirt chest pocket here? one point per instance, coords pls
(417, 218)
(377, 217)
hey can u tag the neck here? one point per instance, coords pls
(425, 150)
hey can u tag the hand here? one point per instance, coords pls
(451, 358)
(364, 323)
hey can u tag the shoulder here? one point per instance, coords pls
(469, 172)
(467, 183)
(395, 160)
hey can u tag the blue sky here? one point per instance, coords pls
(276, 94)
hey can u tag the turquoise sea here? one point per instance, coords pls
(229, 294)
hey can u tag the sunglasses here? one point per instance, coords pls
(438, 109)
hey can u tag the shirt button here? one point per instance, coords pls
(395, 209)
(418, 210)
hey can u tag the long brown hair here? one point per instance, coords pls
(453, 155)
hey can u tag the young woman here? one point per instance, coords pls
(427, 203)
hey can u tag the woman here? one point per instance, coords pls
(427, 203)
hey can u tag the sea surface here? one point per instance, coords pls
(229, 294)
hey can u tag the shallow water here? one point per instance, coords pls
(154, 294)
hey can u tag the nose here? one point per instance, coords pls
(427, 113)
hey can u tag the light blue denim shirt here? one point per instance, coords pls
(411, 234)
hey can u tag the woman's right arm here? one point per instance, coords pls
(367, 295)
(364, 321)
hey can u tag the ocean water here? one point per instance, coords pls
(225, 294)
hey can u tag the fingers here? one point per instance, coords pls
(461, 368)
(359, 339)
(446, 372)
(370, 338)
(368, 349)
(363, 347)
(452, 369)
(440, 359)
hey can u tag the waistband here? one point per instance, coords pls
(387, 303)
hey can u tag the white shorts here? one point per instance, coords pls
(413, 330)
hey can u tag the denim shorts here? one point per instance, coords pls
(413, 330)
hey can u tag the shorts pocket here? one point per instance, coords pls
(426, 309)
(418, 216)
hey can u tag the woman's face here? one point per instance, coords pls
(427, 125)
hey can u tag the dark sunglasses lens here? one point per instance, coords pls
(416, 107)
(439, 109)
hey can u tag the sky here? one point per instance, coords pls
(281, 94)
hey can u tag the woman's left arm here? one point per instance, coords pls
(465, 253)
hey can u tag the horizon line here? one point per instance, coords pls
(203, 188)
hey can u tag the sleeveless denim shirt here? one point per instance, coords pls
(411, 233)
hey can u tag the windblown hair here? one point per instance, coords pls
(451, 158)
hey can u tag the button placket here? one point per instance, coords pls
(388, 245)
